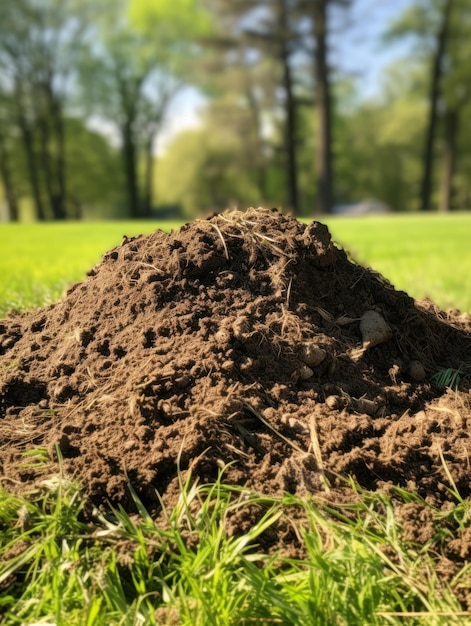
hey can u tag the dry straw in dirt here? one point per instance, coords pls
(247, 339)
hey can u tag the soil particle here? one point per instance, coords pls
(167, 355)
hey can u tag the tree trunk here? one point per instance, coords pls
(290, 138)
(52, 150)
(449, 159)
(6, 177)
(130, 168)
(32, 163)
(30, 153)
(435, 94)
(57, 119)
(44, 137)
(260, 167)
(324, 167)
(149, 178)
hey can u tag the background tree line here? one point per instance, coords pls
(86, 88)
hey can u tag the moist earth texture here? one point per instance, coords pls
(248, 340)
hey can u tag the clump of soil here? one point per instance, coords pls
(248, 339)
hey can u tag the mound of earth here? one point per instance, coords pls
(248, 339)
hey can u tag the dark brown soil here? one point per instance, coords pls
(197, 349)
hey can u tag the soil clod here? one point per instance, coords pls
(162, 359)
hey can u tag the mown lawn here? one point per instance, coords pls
(425, 256)
(39, 261)
(56, 567)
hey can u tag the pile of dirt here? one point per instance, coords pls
(248, 339)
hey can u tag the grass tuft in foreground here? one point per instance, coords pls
(356, 567)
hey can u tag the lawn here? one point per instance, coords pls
(39, 261)
(424, 256)
(357, 566)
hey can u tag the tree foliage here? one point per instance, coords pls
(293, 35)
(440, 30)
(129, 76)
(39, 45)
(86, 89)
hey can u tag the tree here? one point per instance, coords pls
(324, 171)
(94, 179)
(242, 91)
(429, 23)
(258, 31)
(206, 169)
(6, 174)
(295, 33)
(38, 48)
(16, 64)
(456, 92)
(129, 76)
(113, 76)
(435, 96)
(317, 15)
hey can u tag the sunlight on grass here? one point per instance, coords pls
(424, 256)
(192, 570)
(354, 566)
(40, 261)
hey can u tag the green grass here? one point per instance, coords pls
(358, 569)
(39, 261)
(426, 256)
(423, 255)
(121, 569)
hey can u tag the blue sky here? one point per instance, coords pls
(358, 48)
